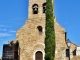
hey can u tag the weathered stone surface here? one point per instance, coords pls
(76, 58)
(60, 42)
(30, 40)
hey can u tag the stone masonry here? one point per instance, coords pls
(30, 40)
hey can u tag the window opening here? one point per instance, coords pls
(35, 9)
(40, 29)
(67, 52)
(44, 8)
(74, 52)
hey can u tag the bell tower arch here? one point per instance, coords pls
(36, 8)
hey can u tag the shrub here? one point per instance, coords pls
(50, 33)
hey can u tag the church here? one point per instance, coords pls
(30, 38)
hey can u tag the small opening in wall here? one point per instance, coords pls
(16, 50)
(74, 52)
(44, 8)
(40, 29)
(67, 52)
(35, 9)
(38, 55)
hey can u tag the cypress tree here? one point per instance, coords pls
(50, 33)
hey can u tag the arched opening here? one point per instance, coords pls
(38, 55)
(35, 9)
(44, 8)
(40, 29)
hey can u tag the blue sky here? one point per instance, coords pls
(13, 14)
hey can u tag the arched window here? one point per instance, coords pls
(35, 9)
(40, 29)
(38, 55)
(44, 8)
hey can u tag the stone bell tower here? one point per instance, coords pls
(36, 8)
(31, 36)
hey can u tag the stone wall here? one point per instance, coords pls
(60, 42)
(72, 51)
(30, 40)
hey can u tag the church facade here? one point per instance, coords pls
(30, 37)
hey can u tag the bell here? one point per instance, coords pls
(35, 9)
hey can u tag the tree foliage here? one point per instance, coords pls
(50, 33)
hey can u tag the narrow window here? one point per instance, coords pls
(44, 8)
(74, 52)
(35, 9)
(16, 46)
(67, 52)
(40, 29)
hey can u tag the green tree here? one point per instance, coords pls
(50, 33)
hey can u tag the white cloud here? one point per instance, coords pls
(12, 31)
(3, 29)
(4, 26)
(4, 34)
